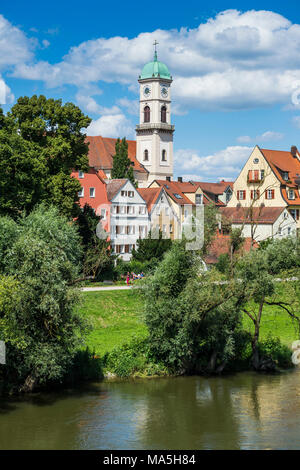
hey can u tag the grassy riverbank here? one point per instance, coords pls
(115, 319)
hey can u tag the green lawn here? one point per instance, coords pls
(275, 321)
(115, 319)
(114, 316)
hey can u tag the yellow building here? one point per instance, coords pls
(270, 178)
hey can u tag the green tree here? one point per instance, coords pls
(150, 247)
(41, 142)
(122, 165)
(192, 320)
(96, 251)
(210, 226)
(38, 320)
(257, 272)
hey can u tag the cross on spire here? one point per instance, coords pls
(155, 51)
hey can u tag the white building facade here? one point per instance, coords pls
(129, 219)
(154, 133)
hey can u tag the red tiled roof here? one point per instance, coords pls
(284, 161)
(291, 202)
(102, 149)
(175, 187)
(215, 188)
(261, 215)
(150, 195)
(113, 186)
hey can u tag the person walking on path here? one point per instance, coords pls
(128, 279)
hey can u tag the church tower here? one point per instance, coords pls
(154, 133)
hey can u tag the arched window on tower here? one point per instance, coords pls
(163, 113)
(146, 155)
(146, 114)
(164, 156)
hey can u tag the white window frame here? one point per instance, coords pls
(93, 192)
(81, 192)
(80, 174)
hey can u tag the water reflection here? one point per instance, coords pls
(247, 411)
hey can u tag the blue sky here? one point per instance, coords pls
(236, 70)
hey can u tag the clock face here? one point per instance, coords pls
(164, 92)
(147, 90)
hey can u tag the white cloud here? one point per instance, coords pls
(131, 106)
(6, 95)
(111, 125)
(45, 43)
(85, 100)
(15, 47)
(244, 139)
(267, 136)
(226, 163)
(235, 60)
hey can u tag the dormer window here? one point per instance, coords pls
(291, 194)
(163, 114)
(146, 114)
(199, 198)
(80, 174)
(285, 176)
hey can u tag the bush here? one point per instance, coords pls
(123, 267)
(272, 348)
(133, 358)
(38, 320)
(85, 366)
(223, 264)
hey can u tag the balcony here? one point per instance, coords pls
(159, 125)
(255, 176)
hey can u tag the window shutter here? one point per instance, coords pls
(273, 193)
(238, 195)
(266, 194)
(251, 193)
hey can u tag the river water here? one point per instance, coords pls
(242, 411)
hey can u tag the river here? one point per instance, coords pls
(242, 411)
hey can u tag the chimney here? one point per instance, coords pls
(294, 151)
(168, 178)
(179, 179)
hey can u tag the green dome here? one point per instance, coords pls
(155, 69)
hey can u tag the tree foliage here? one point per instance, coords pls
(151, 247)
(122, 165)
(37, 317)
(41, 142)
(257, 273)
(192, 320)
(96, 251)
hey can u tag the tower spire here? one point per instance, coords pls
(155, 51)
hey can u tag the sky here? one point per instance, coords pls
(235, 69)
